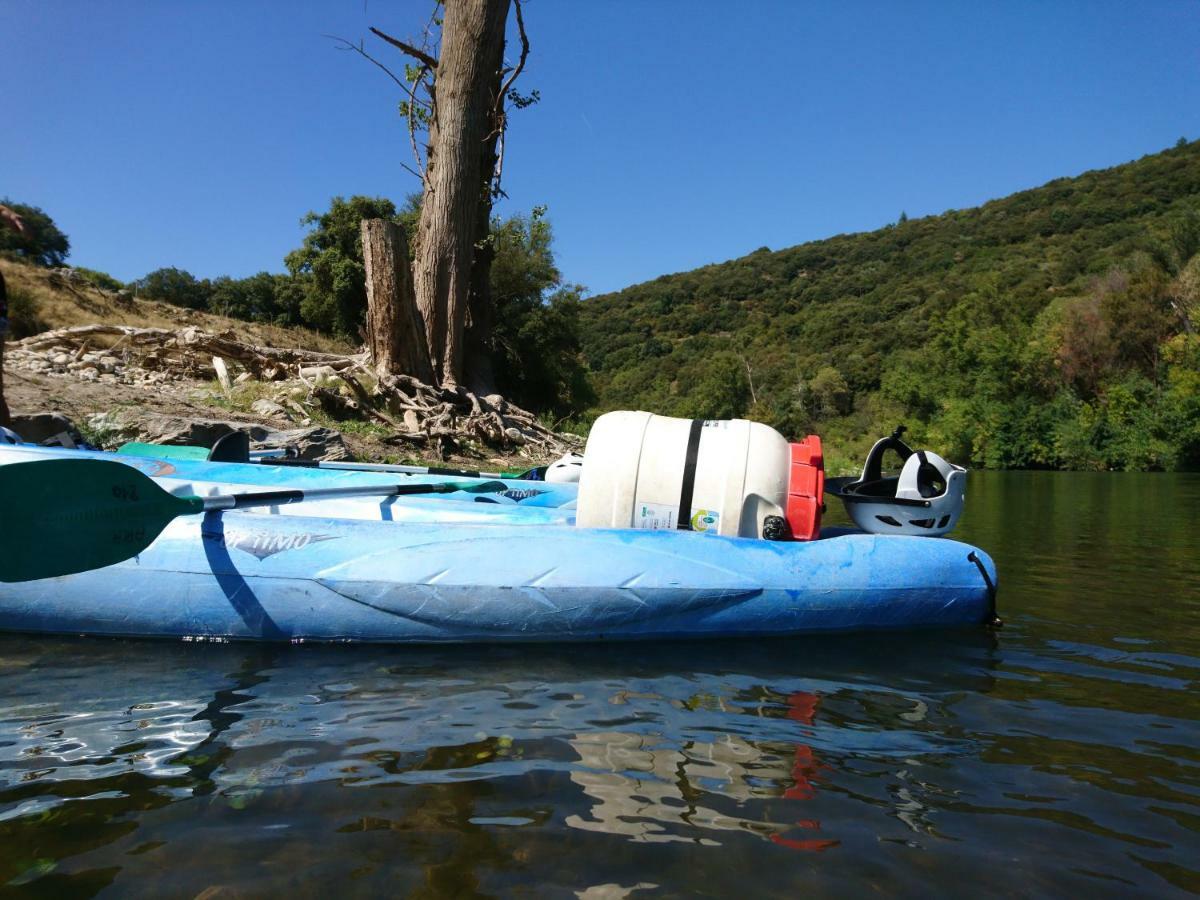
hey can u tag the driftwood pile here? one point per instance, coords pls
(343, 387)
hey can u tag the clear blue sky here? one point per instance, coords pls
(670, 134)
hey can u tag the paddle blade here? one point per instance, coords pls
(163, 451)
(62, 516)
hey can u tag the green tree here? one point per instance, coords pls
(252, 298)
(712, 386)
(1140, 318)
(830, 394)
(41, 242)
(176, 286)
(1086, 350)
(290, 292)
(535, 335)
(1179, 257)
(330, 264)
(1182, 400)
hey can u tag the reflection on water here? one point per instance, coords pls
(1057, 756)
(650, 791)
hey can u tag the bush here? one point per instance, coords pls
(100, 279)
(24, 314)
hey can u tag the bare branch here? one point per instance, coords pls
(499, 117)
(512, 76)
(410, 89)
(433, 20)
(358, 48)
(419, 55)
(499, 170)
(418, 82)
(750, 378)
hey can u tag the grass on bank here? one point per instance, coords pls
(40, 300)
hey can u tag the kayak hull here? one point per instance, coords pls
(239, 576)
(453, 570)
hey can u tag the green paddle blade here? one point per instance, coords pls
(62, 516)
(163, 451)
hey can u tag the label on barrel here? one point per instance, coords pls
(655, 516)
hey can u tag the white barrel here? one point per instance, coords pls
(636, 474)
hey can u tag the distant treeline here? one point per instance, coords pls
(1053, 328)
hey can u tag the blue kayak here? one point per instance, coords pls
(524, 502)
(454, 570)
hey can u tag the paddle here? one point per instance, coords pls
(62, 516)
(387, 467)
(279, 458)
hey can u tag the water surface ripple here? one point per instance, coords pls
(1057, 756)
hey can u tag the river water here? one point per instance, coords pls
(1058, 756)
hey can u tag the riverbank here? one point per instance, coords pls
(121, 368)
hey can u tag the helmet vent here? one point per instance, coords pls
(922, 523)
(888, 520)
(945, 520)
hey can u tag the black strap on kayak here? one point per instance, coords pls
(233, 447)
(689, 476)
(993, 620)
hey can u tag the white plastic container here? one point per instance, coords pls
(636, 466)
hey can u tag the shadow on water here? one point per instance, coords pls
(1056, 756)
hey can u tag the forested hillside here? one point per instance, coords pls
(1050, 328)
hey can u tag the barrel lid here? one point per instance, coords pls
(806, 487)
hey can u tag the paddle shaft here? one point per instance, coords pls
(285, 456)
(378, 467)
(283, 498)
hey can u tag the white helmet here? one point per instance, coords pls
(925, 499)
(9, 437)
(565, 470)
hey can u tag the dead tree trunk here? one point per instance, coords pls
(461, 100)
(481, 312)
(395, 331)
(472, 53)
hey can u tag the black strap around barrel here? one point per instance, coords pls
(689, 476)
